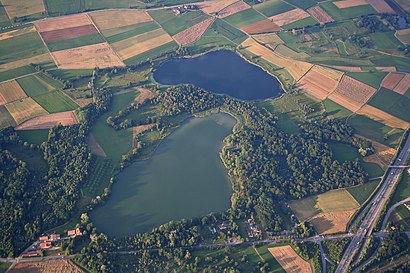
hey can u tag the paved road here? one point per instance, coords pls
(386, 218)
(376, 206)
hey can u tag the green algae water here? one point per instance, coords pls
(184, 178)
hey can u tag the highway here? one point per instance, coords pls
(376, 206)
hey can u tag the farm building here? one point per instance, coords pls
(43, 238)
(45, 245)
(54, 237)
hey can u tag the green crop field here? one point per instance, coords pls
(335, 200)
(34, 86)
(4, 19)
(75, 42)
(21, 47)
(33, 136)
(362, 192)
(244, 18)
(385, 40)
(341, 47)
(339, 60)
(343, 152)
(17, 72)
(392, 103)
(62, 7)
(4, 267)
(401, 216)
(228, 31)
(71, 74)
(136, 30)
(54, 102)
(390, 60)
(6, 119)
(402, 190)
(109, 4)
(151, 54)
(375, 130)
(176, 23)
(373, 79)
(272, 7)
(309, 21)
(346, 13)
(305, 4)
(335, 110)
(99, 178)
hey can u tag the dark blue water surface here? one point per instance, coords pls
(222, 72)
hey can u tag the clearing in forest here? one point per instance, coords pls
(320, 14)
(383, 117)
(289, 17)
(108, 19)
(49, 121)
(232, 9)
(334, 200)
(350, 3)
(94, 147)
(320, 82)
(21, 8)
(332, 222)
(290, 260)
(25, 109)
(10, 91)
(397, 82)
(194, 33)
(91, 56)
(62, 266)
(264, 26)
(215, 6)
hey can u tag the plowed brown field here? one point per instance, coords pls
(234, 8)
(289, 17)
(399, 83)
(107, 19)
(381, 6)
(290, 260)
(56, 266)
(194, 33)
(48, 121)
(62, 22)
(263, 26)
(10, 91)
(67, 33)
(349, 3)
(355, 90)
(91, 56)
(320, 14)
(318, 84)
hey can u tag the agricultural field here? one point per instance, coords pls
(129, 31)
(273, 7)
(33, 136)
(392, 103)
(402, 190)
(290, 260)
(347, 12)
(113, 19)
(4, 18)
(55, 101)
(383, 117)
(290, 17)
(23, 8)
(320, 15)
(401, 216)
(16, 72)
(49, 121)
(362, 192)
(264, 26)
(403, 35)
(24, 109)
(399, 83)
(62, 7)
(215, 6)
(6, 119)
(385, 41)
(233, 9)
(373, 79)
(244, 18)
(47, 267)
(335, 110)
(33, 85)
(10, 91)
(404, 4)
(332, 222)
(222, 28)
(192, 34)
(152, 54)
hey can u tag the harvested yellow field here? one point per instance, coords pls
(232, 9)
(10, 91)
(289, 17)
(62, 22)
(320, 82)
(297, 69)
(144, 94)
(16, 32)
(348, 68)
(345, 101)
(290, 260)
(139, 44)
(194, 33)
(215, 6)
(287, 52)
(57, 266)
(49, 121)
(25, 109)
(403, 35)
(386, 68)
(21, 8)
(332, 222)
(87, 57)
(46, 57)
(270, 38)
(350, 3)
(383, 117)
(107, 19)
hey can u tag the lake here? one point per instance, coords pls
(185, 178)
(222, 72)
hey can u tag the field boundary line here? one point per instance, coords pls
(92, 22)
(22, 76)
(48, 50)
